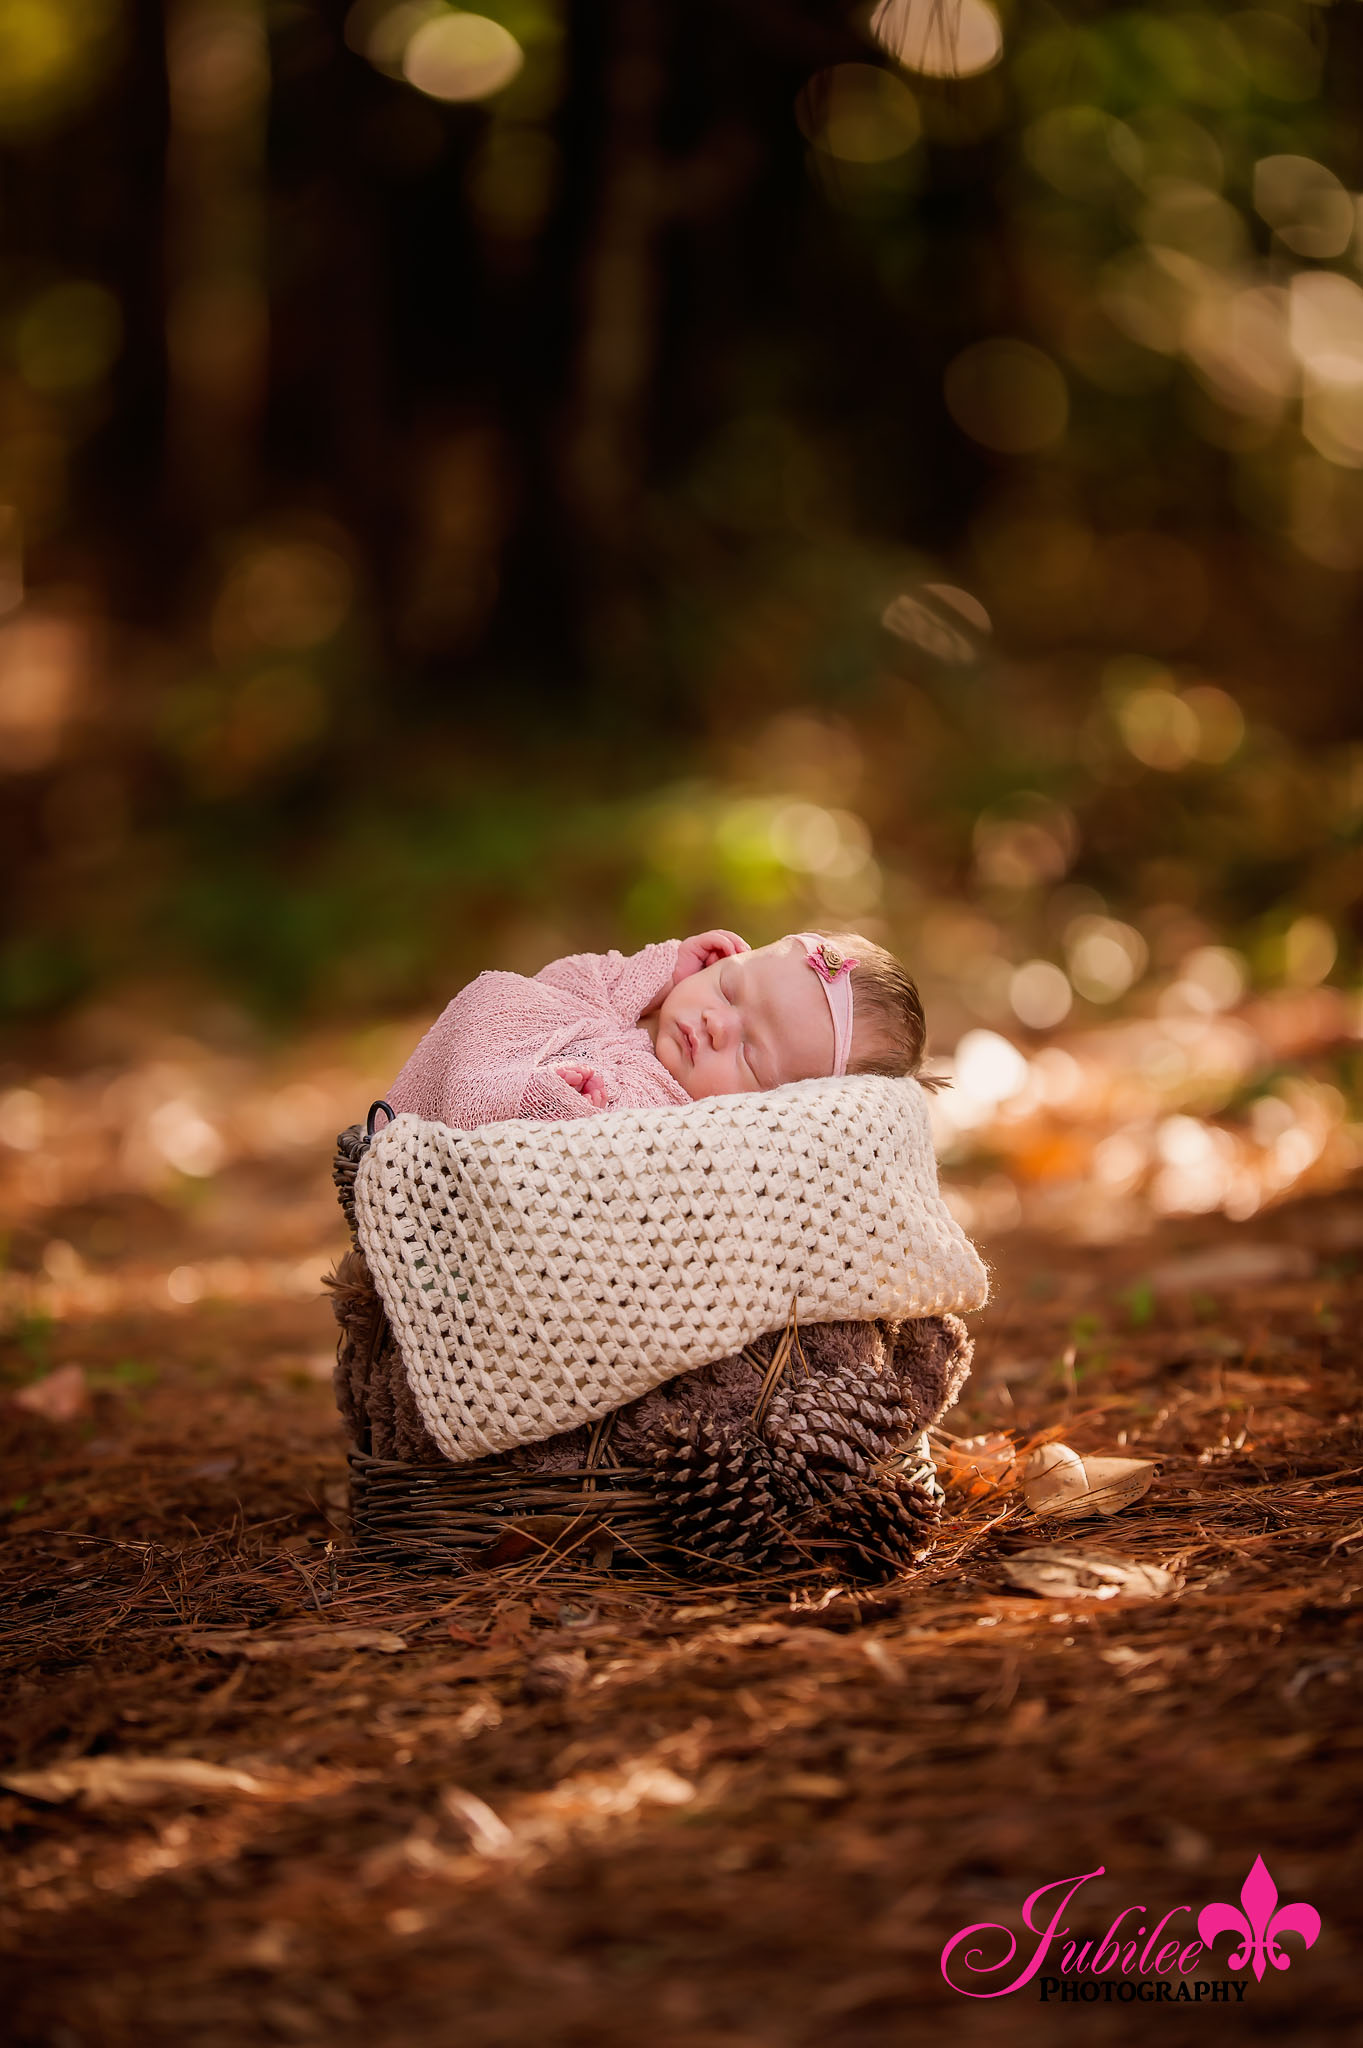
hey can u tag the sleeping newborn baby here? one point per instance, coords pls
(837, 1464)
(681, 1020)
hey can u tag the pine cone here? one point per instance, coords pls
(885, 1527)
(829, 1433)
(716, 1485)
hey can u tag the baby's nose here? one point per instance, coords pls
(720, 1026)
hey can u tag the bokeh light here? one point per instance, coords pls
(53, 55)
(1212, 978)
(820, 842)
(1305, 204)
(1040, 994)
(1220, 722)
(1082, 150)
(381, 31)
(1159, 727)
(942, 621)
(988, 1069)
(456, 56)
(1008, 396)
(1146, 293)
(1239, 341)
(1282, 60)
(1310, 950)
(1197, 1166)
(185, 1139)
(859, 114)
(289, 595)
(68, 338)
(1105, 957)
(939, 38)
(1026, 842)
(1184, 219)
(44, 687)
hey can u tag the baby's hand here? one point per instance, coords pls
(587, 1082)
(704, 950)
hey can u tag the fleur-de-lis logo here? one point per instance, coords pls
(1260, 1924)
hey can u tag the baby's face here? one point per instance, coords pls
(749, 1022)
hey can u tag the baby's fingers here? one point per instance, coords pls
(719, 945)
(586, 1081)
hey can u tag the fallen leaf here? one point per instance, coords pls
(61, 1397)
(131, 1780)
(1057, 1481)
(1053, 1473)
(1126, 1659)
(979, 1463)
(488, 1833)
(531, 1535)
(598, 1794)
(811, 1785)
(256, 1645)
(554, 1673)
(511, 1626)
(1059, 1571)
(877, 1655)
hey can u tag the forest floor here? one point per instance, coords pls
(261, 1789)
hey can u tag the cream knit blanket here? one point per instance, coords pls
(539, 1275)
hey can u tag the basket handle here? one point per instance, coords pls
(374, 1109)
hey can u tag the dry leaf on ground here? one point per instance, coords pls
(979, 1464)
(256, 1646)
(60, 1397)
(488, 1833)
(1057, 1481)
(554, 1673)
(131, 1780)
(1060, 1571)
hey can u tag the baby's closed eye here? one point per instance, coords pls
(731, 992)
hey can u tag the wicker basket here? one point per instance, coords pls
(430, 1514)
(479, 1515)
(410, 1506)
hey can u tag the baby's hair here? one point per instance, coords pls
(883, 989)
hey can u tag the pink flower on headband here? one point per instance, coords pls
(828, 963)
(834, 969)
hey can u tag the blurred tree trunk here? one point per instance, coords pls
(604, 442)
(217, 315)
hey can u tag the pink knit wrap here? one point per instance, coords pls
(493, 1052)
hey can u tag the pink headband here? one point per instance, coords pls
(834, 969)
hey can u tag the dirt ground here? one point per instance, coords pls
(316, 1799)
